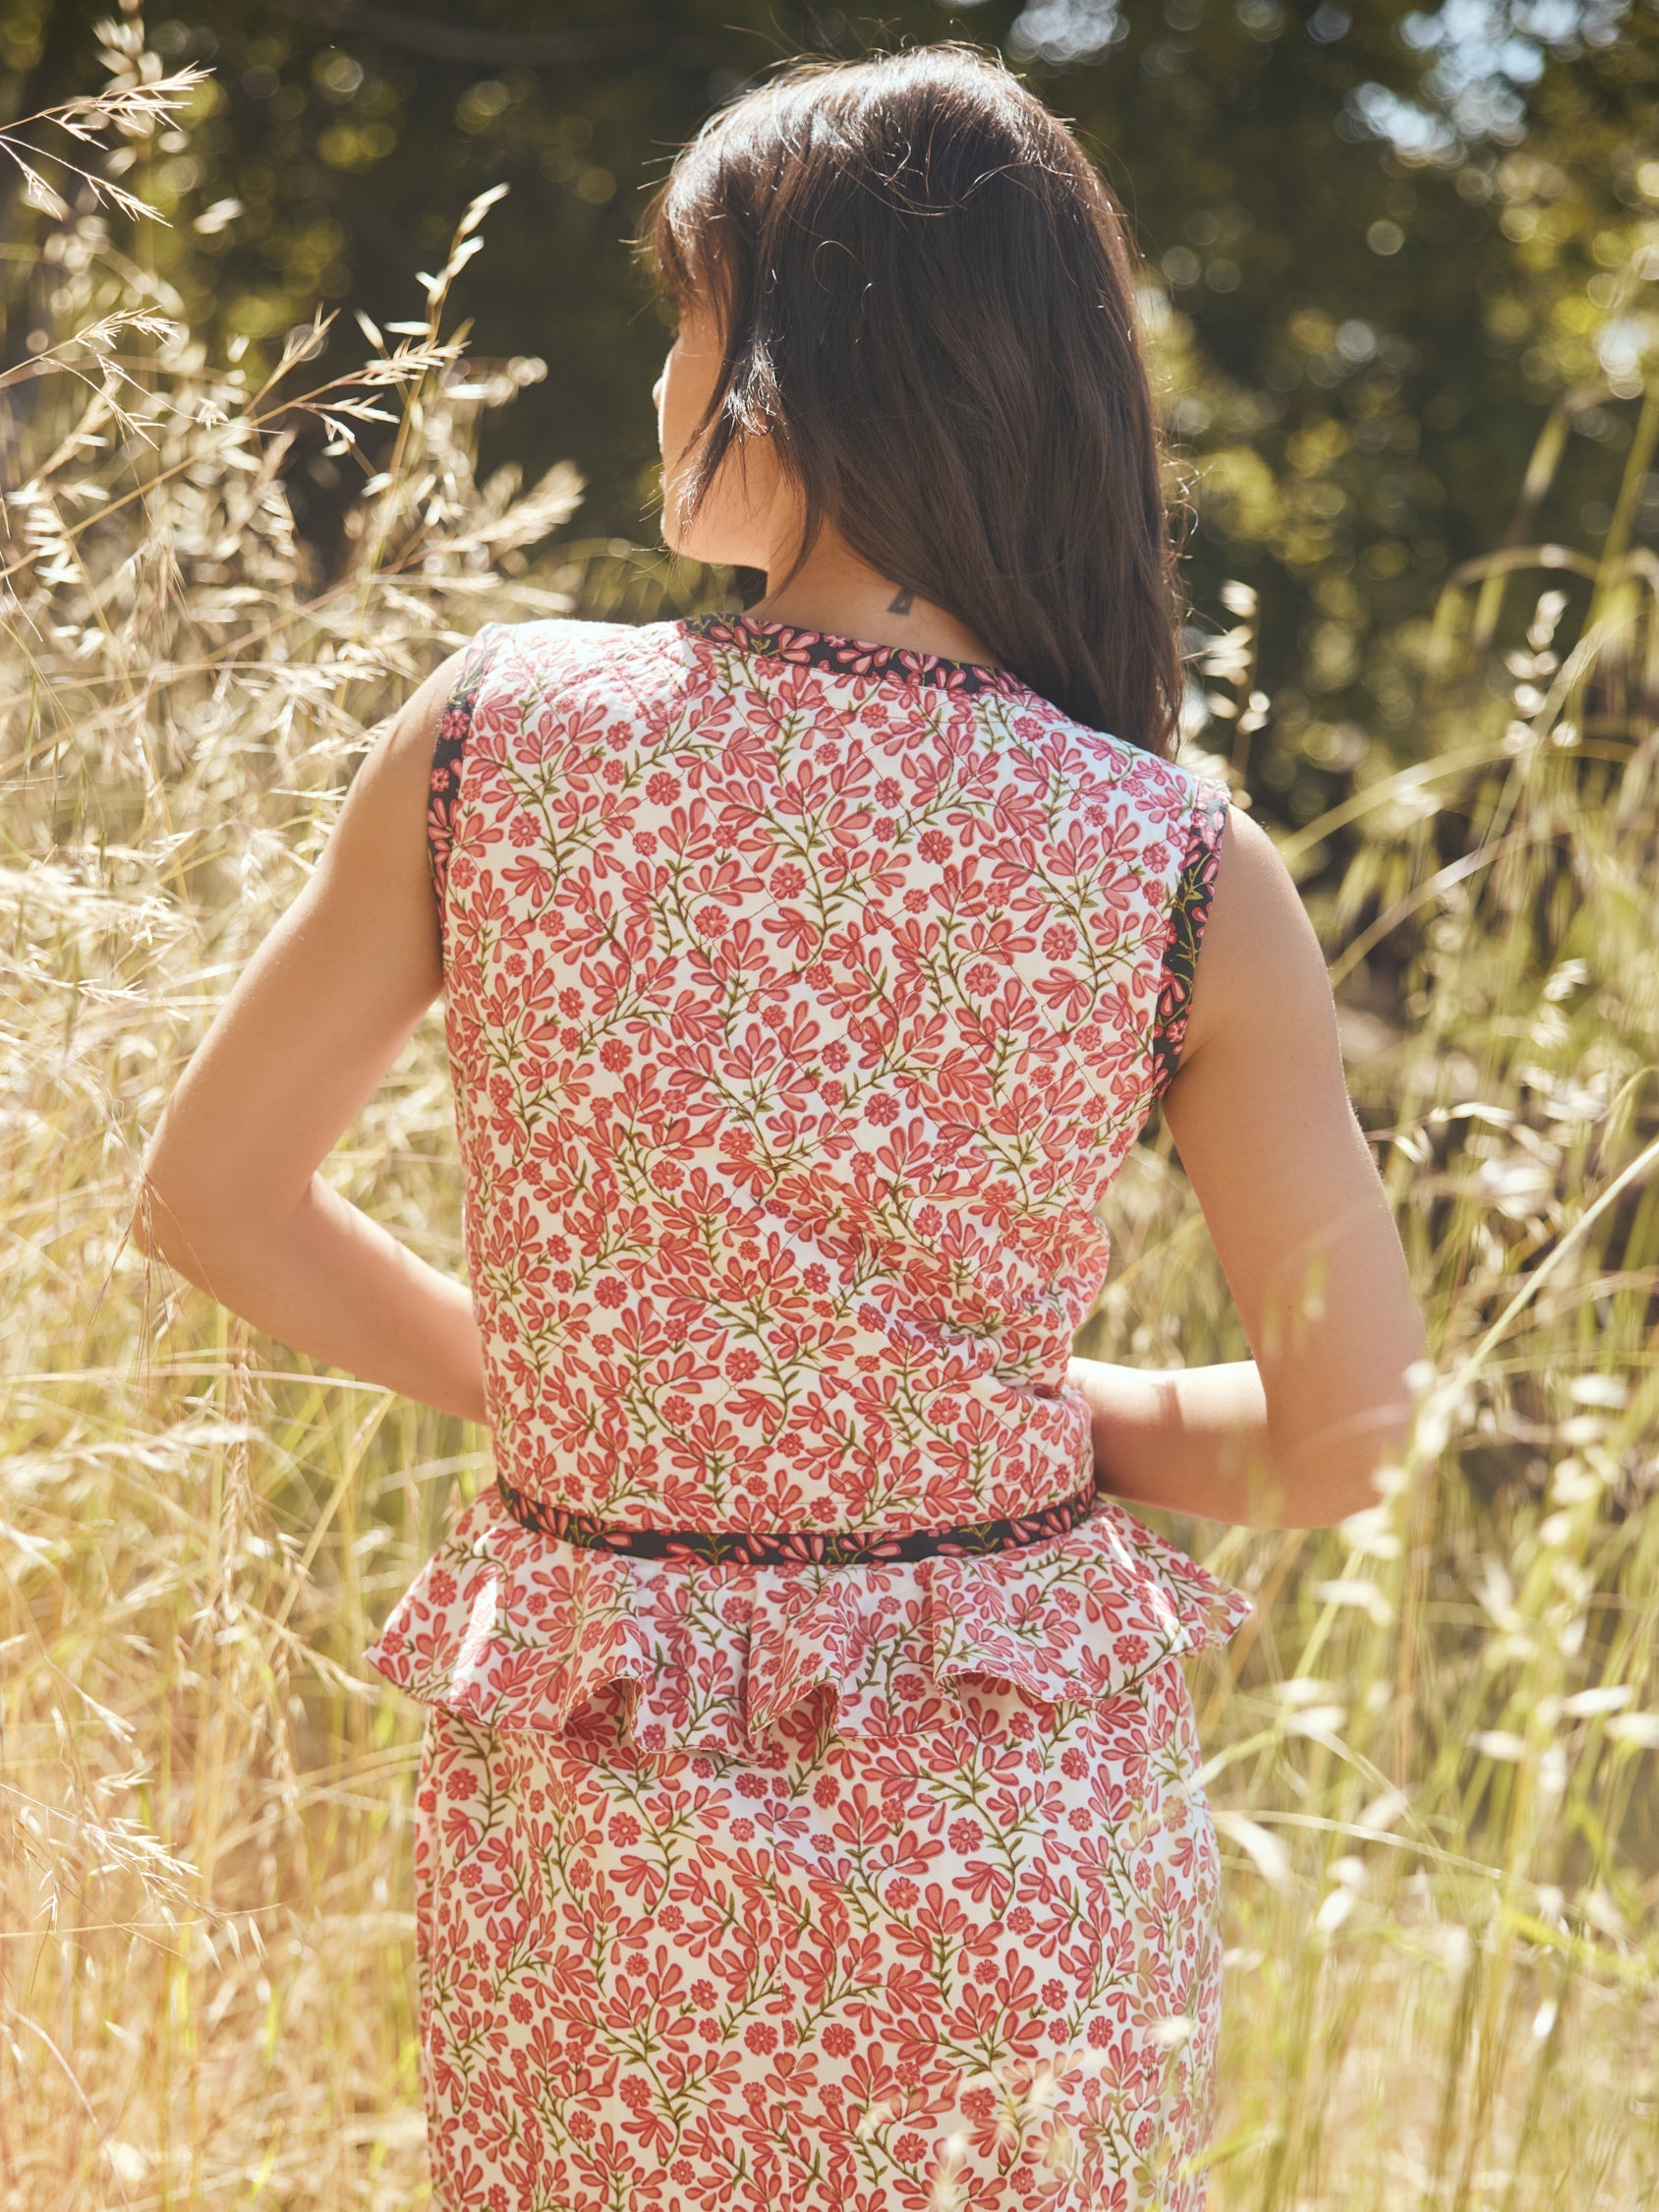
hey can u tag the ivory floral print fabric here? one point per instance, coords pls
(803, 998)
(975, 1966)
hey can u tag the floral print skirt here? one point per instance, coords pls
(974, 1967)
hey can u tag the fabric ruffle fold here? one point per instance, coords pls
(520, 1631)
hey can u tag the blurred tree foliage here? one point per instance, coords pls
(1380, 243)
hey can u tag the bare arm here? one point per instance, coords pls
(231, 1197)
(1260, 1113)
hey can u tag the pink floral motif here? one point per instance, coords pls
(804, 997)
(842, 1992)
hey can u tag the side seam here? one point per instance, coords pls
(1190, 909)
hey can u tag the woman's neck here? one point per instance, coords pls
(837, 593)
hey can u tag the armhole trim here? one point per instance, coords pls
(1190, 909)
(449, 751)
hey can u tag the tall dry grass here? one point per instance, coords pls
(1433, 1749)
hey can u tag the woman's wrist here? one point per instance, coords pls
(1198, 1440)
(325, 1278)
(1123, 1413)
(1186, 1439)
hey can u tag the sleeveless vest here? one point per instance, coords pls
(803, 998)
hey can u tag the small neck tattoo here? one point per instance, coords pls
(902, 601)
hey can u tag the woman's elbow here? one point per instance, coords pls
(161, 1226)
(210, 1227)
(187, 1204)
(1344, 1468)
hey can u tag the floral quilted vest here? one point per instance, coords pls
(803, 999)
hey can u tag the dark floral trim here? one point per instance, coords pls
(448, 754)
(772, 1548)
(847, 656)
(1196, 888)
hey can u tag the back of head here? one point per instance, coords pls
(927, 305)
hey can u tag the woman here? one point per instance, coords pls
(809, 1809)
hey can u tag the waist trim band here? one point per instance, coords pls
(781, 1548)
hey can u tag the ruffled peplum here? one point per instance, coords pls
(520, 1631)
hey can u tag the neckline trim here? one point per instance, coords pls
(846, 655)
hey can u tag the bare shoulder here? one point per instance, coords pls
(1260, 969)
(394, 781)
(411, 731)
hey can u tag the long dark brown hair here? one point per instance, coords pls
(927, 303)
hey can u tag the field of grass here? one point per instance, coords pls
(1432, 1752)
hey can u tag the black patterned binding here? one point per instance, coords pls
(449, 755)
(847, 656)
(1190, 909)
(783, 1548)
